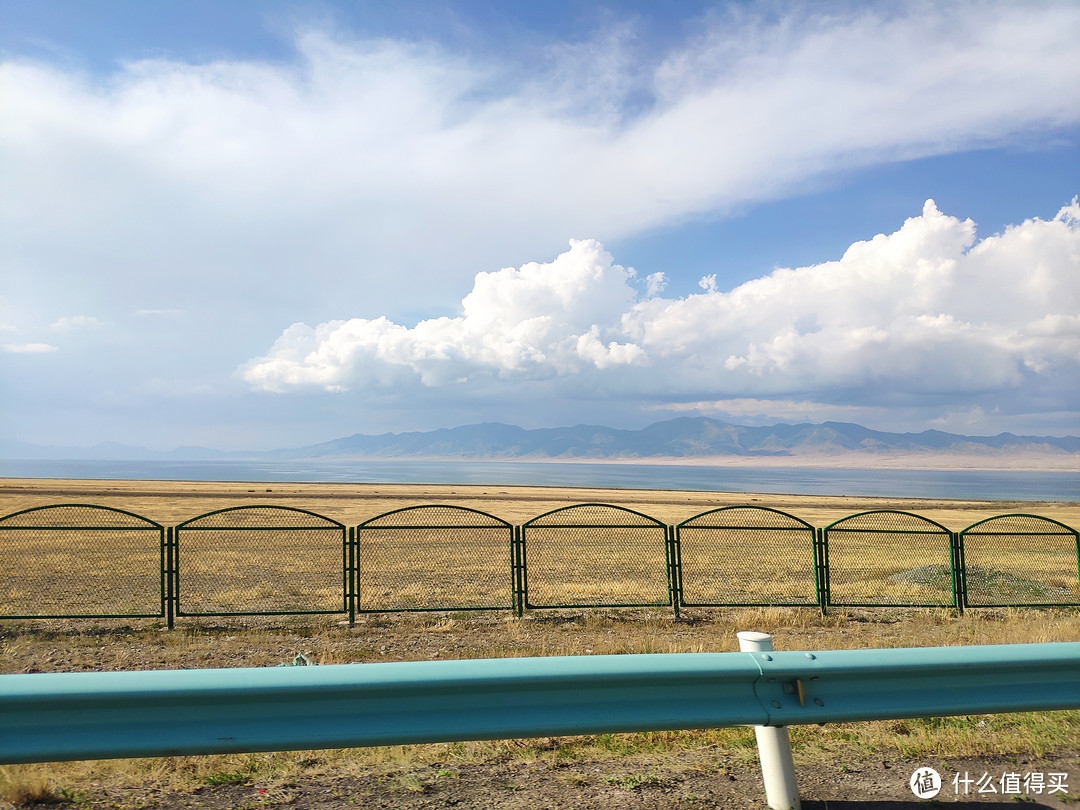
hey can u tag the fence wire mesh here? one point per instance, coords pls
(260, 559)
(746, 556)
(434, 558)
(1020, 560)
(77, 560)
(87, 561)
(595, 555)
(887, 558)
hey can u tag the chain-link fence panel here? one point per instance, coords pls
(595, 555)
(890, 559)
(260, 560)
(80, 561)
(1020, 560)
(434, 558)
(746, 555)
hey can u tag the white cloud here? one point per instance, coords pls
(29, 348)
(768, 410)
(158, 313)
(70, 322)
(373, 178)
(169, 176)
(536, 321)
(927, 311)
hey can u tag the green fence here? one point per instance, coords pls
(748, 555)
(252, 560)
(595, 555)
(888, 558)
(435, 558)
(990, 576)
(83, 561)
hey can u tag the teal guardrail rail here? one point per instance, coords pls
(101, 715)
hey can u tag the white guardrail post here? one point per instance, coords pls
(774, 745)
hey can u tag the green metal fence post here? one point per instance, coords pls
(350, 573)
(168, 574)
(523, 572)
(821, 546)
(958, 573)
(1078, 557)
(518, 574)
(676, 539)
(673, 568)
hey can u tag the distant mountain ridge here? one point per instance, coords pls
(684, 437)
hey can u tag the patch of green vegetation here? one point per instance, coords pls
(635, 781)
(413, 783)
(226, 778)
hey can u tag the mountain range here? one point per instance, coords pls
(681, 438)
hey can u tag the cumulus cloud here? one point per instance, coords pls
(536, 321)
(923, 310)
(928, 310)
(168, 176)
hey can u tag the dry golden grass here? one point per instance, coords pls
(169, 502)
(265, 552)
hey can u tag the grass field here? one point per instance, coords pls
(635, 770)
(267, 552)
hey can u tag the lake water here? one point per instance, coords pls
(979, 485)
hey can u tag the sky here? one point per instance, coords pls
(265, 224)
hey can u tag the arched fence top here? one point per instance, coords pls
(1019, 524)
(887, 520)
(600, 515)
(743, 517)
(435, 516)
(566, 541)
(76, 516)
(261, 517)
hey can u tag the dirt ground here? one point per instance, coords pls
(683, 781)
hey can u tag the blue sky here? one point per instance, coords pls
(261, 224)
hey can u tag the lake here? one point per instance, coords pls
(994, 485)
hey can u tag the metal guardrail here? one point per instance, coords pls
(102, 715)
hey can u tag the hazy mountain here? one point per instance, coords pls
(685, 437)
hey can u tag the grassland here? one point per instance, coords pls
(848, 762)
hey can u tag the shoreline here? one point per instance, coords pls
(1027, 462)
(352, 503)
(1020, 462)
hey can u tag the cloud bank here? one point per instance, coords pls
(928, 313)
(360, 160)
